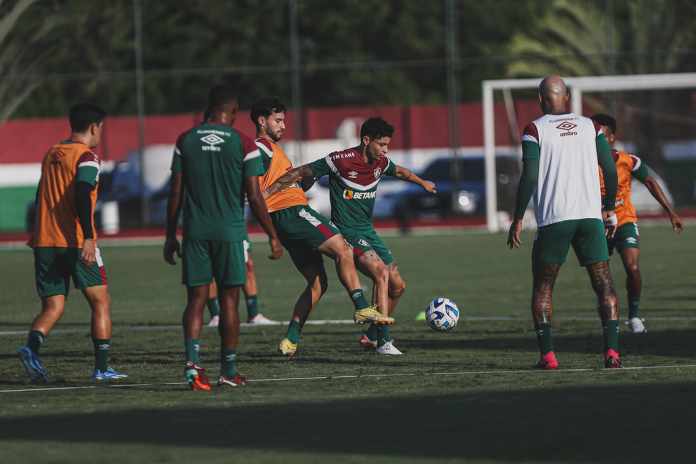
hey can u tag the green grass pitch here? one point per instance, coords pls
(465, 396)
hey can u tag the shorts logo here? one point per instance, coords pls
(567, 126)
(351, 195)
(211, 140)
(363, 242)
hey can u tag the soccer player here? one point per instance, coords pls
(354, 175)
(306, 234)
(627, 239)
(65, 242)
(249, 289)
(560, 155)
(213, 167)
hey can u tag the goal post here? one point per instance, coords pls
(578, 86)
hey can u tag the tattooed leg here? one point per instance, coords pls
(603, 286)
(542, 293)
(542, 310)
(608, 308)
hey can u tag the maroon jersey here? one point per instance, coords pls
(353, 185)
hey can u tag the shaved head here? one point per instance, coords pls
(553, 95)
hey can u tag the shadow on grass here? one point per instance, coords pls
(621, 423)
(669, 343)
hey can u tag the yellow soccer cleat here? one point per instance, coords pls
(287, 348)
(370, 314)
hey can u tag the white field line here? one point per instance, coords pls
(368, 376)
(418, 231)
(424, 231)
(165, 327)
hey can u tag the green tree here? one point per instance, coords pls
(24, 49)
(591, 38)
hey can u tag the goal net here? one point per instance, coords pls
(655, 120)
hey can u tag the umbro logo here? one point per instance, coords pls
(212, 141)
(566, 126)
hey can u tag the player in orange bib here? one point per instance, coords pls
(627, 238)
(306, 234)
(65, 242)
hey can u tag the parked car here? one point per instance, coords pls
(461, 187)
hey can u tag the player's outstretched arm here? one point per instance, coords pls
(291, 177)
(176, 194)
(654, 188)
(260, 211)
(404, 174)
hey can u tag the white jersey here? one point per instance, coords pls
(568, 186)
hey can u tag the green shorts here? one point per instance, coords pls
(205, 260)
(365, 239)
(626, 236)
(302, 230)
(586, 236)
(53, 268)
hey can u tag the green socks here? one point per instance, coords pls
(294, 330)
(383, 335)
(544, 338)
(633, 308)
(610, 331)
(372, 332)
(252, 304)
(101, 353)
(228, 362)
(213, 307)
(358, 298)
(193, 348)
(35, 340)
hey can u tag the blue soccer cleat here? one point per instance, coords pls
(32, 364)
(107, 375)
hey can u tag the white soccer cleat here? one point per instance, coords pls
(388, 348)
(214, 321)
(636, 326)
(260, 319)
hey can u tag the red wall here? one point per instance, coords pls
(423, 126)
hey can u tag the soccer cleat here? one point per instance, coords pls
(388, 348)
(420, 316)
(260, 319)
(612, 360)
(636, 326)
(236, 381)
(287, 348)
(548, 361)
(32, 365)
(107, 375)
(214, 321)
(196, 378)
(368, 344)
(370, 314)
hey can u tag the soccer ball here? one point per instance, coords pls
(442, 314)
